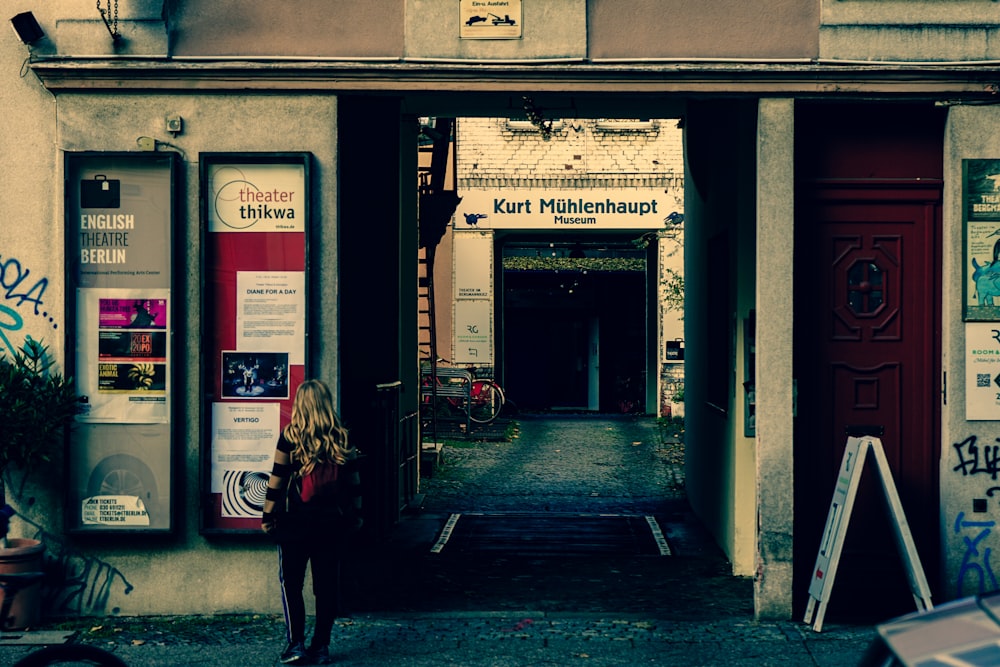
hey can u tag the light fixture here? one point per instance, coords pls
(27, 28)
(175, 125)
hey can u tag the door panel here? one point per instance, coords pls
(866, 360)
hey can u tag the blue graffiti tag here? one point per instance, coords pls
(981, 570)
(12, 275)
(973, 460)
(15, 285)
(14, 323)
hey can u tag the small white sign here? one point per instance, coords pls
(243, 438)
(473, 332)
(256, 198)
(473, 265)
(490, 19)
(114, 511)
(982, 371)
(270, 312)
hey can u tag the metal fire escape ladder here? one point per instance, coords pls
(437, 206)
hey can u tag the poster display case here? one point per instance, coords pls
(119, 244)
(255, 213)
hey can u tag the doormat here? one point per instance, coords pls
(552, 535)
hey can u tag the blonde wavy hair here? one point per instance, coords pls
(315, 431)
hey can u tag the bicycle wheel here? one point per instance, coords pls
(487, 401)
(71, 654)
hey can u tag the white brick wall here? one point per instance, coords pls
(578, 154)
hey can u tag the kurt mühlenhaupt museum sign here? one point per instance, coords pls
(563, 209)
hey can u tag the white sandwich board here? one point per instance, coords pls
(838, 518)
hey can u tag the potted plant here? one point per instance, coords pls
(37, 405)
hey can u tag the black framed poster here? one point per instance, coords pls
(981, 217)
(255, 216)
(119, 224)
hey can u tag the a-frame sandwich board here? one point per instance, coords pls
(838, 518)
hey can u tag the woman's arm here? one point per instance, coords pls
(281, 470)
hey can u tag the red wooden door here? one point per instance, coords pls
(866, 361)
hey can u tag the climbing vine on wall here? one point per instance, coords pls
(607, 264)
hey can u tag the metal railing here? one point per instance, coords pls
(396, 458)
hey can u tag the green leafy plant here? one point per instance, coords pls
(37, 404)
(673, 286)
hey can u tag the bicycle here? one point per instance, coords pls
(461, 391)
(11, 584)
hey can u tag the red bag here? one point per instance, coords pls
(321, 479)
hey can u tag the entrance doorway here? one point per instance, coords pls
(574, 325)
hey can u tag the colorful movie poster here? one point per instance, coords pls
(132, 314)
(132, 377)
(255, 375)
(982, 239)
(137, 345)
(123, 355)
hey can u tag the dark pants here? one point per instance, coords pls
(323, 554)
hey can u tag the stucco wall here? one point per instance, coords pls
(968, 448)
(309, 28)
(240, 574)
(31, 286)
(566, 30)
(719, 29)
(548, 30)
(775, 477)
(30, 273)
(722, 481)
(932, 31)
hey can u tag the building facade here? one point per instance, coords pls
(246, 172)
(581, 297)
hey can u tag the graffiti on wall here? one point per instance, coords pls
(21, 292)
(76, 583)
(975, 460)
(976, 556)
(975, 571)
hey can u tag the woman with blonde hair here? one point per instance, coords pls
(312, 509)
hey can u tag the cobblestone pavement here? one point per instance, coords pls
(482, 639)
(412, 607)
(585, 464)
(574, 464)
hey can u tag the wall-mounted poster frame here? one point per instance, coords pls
(120, 300)
(981, 227)
(255, 220)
